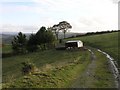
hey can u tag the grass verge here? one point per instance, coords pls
(59, 73)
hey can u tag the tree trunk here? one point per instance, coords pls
(64, 35)
(57, 36)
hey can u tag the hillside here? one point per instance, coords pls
(106, 42)
(50, 61)
(58, 69)
(66, 68)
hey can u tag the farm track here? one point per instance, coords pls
(113, 67)
(87, 78)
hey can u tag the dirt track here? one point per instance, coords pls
(87, 78)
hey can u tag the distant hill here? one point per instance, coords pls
(69, 34)
(7, 37)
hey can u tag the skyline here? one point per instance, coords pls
(83, 15)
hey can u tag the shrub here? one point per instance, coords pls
(32, 43)
(28, 68)
(19, 43)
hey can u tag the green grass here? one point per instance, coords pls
(106, 42)
(56, 78)
(60, 68)
(103, 74)
(48, 61)
(98, 75)
(6, 48)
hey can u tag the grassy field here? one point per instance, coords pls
(60, 68)
(6, 48)
(46, 61)
(105, 42)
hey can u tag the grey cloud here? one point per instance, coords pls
(116, 1)
(90, 21)
(18, 28)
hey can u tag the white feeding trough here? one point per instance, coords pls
(73, 44)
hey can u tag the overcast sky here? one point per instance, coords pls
(83, 15)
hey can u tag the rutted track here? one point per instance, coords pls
(86, 79)
(114, 68)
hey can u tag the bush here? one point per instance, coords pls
(32, 44)
(19, 43)
(28, 68)
(44, 37)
